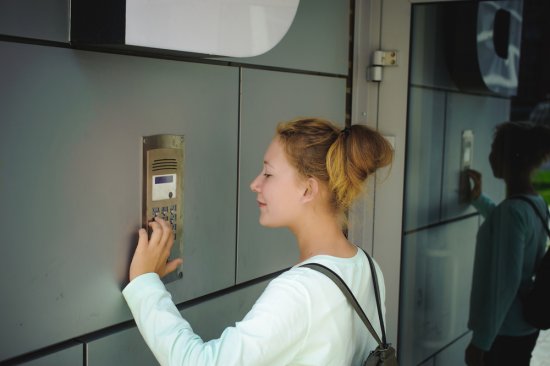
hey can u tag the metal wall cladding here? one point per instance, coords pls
(318, 40)
(38, 19)
(270, 98)
(70, 173)
(71, 126)
(70, 356)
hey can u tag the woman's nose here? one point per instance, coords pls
(254, 185)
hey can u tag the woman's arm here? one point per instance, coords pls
(271, 333)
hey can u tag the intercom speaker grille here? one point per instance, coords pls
(164, 164)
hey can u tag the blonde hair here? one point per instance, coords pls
(343, 159)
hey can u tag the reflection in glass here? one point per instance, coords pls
(448, 94)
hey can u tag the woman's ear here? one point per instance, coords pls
(311, 190)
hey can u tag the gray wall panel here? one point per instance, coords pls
(40, 19)
(317, 40)
(72, 356)
(70, 140)
(123, 348)
(208, 320)
(268, 98)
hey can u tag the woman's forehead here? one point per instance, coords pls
(274, 151)
(275, 155)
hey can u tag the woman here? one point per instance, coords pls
(510, 244)
(312, 172)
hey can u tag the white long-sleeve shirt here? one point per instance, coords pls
(301, 318)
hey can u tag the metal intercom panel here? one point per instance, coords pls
(163, 168)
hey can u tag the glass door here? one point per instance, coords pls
(462, 69)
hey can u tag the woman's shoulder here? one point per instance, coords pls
(523, 202)
(520, 208)
(346, 268)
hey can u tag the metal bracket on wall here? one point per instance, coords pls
(379, 60)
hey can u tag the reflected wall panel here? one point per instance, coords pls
(436, 291)
(424, 159)
(453, 355)
(208, 320)
(479, 114)
(72, 123)
(39, 19)
(428, 62)
(317, 40)
(268, 98)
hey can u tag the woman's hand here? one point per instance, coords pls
(475, 191)
(151, 255)
(473, 356)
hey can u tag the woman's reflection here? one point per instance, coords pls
(510, 244)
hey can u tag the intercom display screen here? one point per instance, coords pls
(164, 187)
(164, 179)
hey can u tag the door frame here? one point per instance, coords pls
(376, 222)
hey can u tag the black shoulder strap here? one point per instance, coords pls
(544, 222)
(377, 294)
(351, 298)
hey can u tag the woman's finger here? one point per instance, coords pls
(156, 235)
(143, 239)
(171, 266)
(166, 239)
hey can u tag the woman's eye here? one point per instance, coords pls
(267, 175)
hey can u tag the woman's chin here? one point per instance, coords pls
(266, 223)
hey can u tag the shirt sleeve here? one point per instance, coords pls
(272, 332)
(484, 205)
(497, 274)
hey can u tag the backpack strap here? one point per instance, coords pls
(377, 294)
(351, 298)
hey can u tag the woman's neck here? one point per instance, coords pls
(519, 185)
(323, 236)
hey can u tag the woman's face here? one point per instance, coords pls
(279, 189)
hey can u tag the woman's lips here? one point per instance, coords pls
(261, 204)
